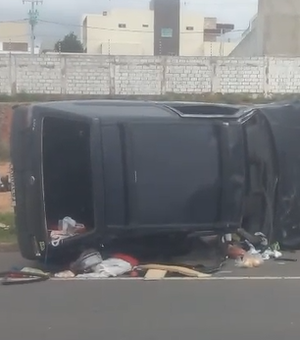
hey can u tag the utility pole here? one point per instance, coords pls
(33, 19)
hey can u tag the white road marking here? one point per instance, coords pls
(213, 278)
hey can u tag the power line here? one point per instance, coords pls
(12, 21)
(204, 2)
(14, 36)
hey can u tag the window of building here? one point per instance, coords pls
(166, 33)
(189, 28)
(15, 46)
(105, 13)
(122, 25)
(145, 25)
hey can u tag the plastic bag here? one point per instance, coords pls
(249, 261)
(67, 274)
(269, 253)
(109, 268)
(70, 227)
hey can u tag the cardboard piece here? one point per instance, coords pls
(155, 274)
(174, 269)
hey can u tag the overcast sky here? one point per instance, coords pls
(67, 13)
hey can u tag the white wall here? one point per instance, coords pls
(191, 41)
(81, 74)
(14, 32)
(218, 48)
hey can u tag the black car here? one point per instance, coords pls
(284, 121)
(122, 168)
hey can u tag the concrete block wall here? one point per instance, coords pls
(134, 75)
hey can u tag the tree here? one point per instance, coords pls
(69, 44)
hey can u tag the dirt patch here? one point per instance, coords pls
(4, 169)
(5, 202)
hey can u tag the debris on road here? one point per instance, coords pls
(158, 268)
(23, 276)
(251, 250)
(67, 274)
(111, 267)
(249, 261)
(235, 251)
(106, 262)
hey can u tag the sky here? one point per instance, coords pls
(65, 15)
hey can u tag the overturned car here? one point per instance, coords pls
(94, 171)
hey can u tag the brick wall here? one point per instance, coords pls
(124, 75)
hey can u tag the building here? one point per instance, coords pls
(214, 41)
(163, 29)
(14, 36)
(274, 31)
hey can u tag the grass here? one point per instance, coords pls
(8, 235)
(230, 98)
(4, 152)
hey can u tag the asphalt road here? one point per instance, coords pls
(162, 310)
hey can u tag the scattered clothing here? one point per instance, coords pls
(112, 267)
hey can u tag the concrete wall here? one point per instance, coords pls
(121, 75)
(279, 23)
(276, 31)
(281, 26)
(251, 43)
(247, 46)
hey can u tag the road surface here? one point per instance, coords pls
(163, 310)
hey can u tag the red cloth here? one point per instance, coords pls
(134, 262)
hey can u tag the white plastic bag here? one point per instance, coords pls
(109, 268)
(67, 274)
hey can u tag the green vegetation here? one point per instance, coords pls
(4, 152)
(230, 98)
(69, 44)
(7, 235)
